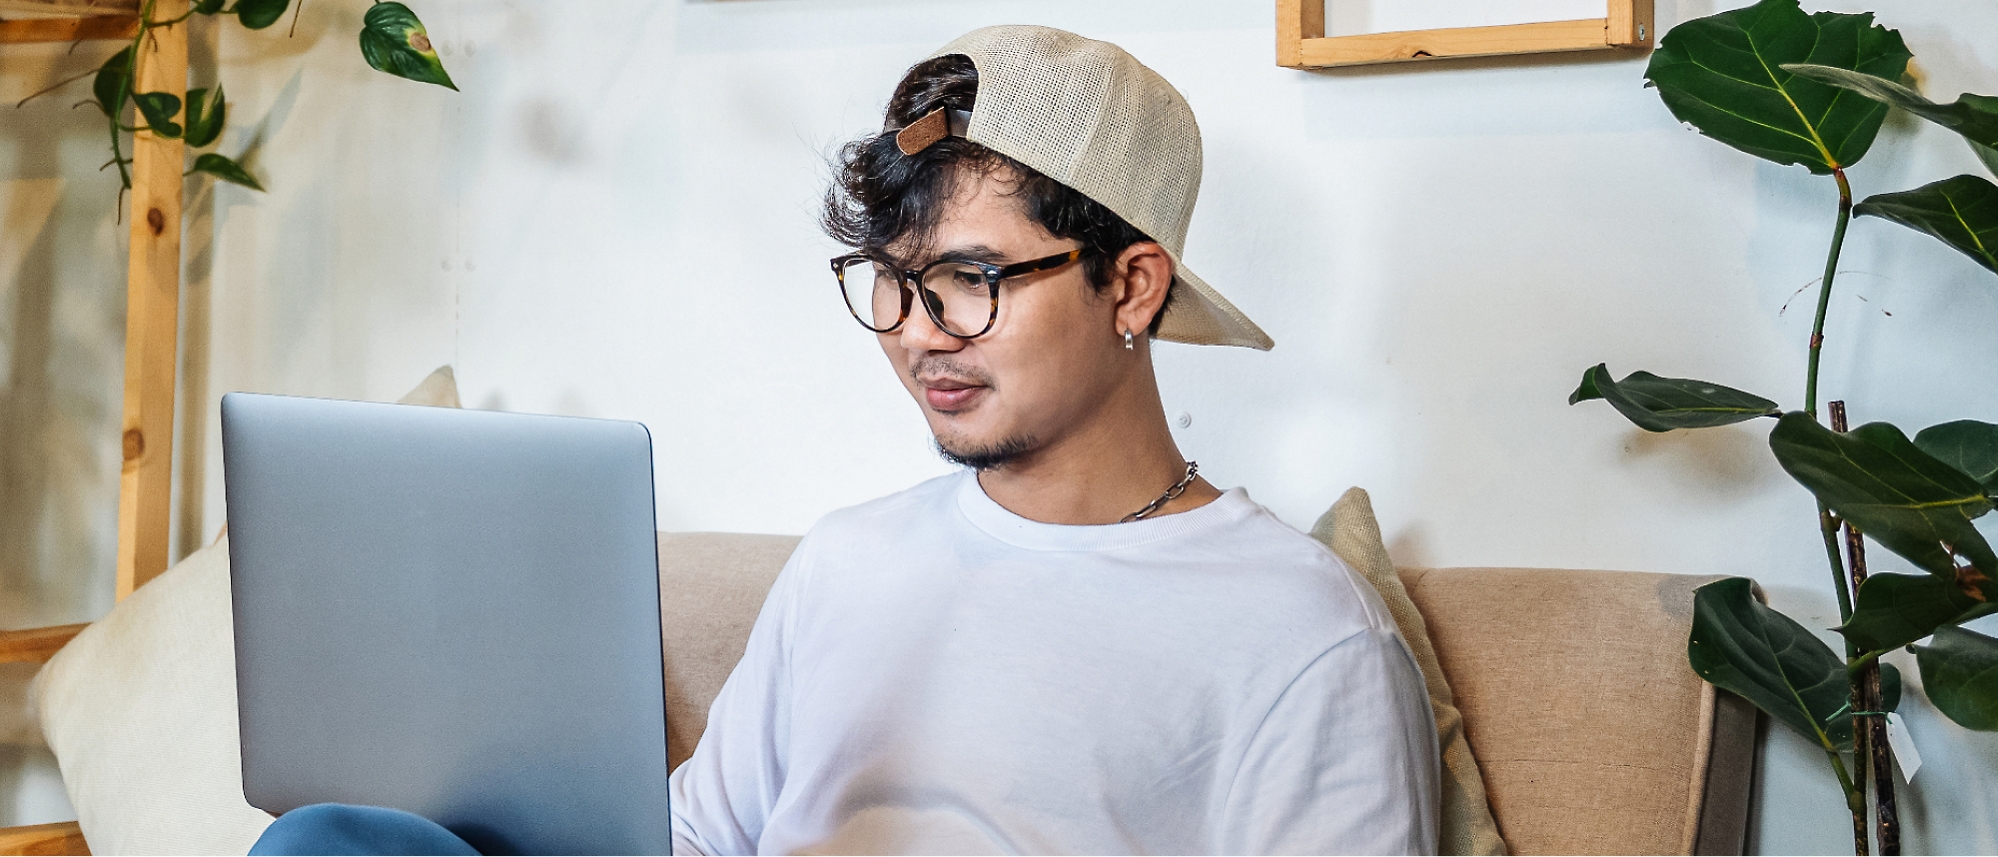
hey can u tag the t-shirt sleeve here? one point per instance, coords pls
(1344, 763)
(724, 792)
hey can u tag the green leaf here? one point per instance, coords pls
(1960, 673)
(1890, 688)
(394, 41)
(1967, 445)
(159, 109)
(1663, 404)
(1893, 610)
(205, 119)
(226, 170)
(208, 7)
(1962, 211)
(1902, 497)
(110, 87)
(258, 14)
(1723, 74)
(1741, 645)
(1973, 116)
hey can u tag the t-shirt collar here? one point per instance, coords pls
(996, 521)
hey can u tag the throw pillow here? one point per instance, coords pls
(1349, 529)
(140, 709)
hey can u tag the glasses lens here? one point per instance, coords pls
(959, 295)
(871, 293)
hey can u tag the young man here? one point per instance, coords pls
(1075, 644)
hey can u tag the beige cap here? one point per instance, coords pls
(1090, 116)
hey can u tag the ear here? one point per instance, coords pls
(1143, 275)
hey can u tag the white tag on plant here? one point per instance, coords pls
(1904, 748)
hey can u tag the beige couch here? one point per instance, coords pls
(1592, 734)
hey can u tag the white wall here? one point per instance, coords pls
(616, 218)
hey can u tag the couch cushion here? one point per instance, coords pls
(711, 586)
(1592, 732)
(1465, 821)
(140, 710)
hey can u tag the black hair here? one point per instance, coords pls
(880, 196)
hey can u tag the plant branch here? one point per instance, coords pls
(1825, 291)
(53, 87)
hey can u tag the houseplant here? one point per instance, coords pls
(392, 40)
(1812, 90)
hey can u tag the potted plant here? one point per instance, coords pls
(1812, 90)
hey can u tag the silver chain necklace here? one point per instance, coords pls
(1171, 494)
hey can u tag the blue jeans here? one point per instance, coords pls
(337, 828)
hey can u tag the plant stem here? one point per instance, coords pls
(1871, 753)
(1855, 796)
(1855, 800)
(1825, 291)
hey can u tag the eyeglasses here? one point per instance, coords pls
(961, 297)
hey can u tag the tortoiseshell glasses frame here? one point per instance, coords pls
(908, 282)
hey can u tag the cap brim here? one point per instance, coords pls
(1199, 315)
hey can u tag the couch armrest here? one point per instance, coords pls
(60, 838)
(35, 645)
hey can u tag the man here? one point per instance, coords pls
(1075, 644)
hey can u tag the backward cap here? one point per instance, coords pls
(1089, 115)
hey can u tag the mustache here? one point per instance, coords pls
(939, 366)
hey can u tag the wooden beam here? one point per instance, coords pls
(1297, 20)
(27, 30)
(72, 8)
(152, 317)
(1588, 34)
(63, 837)
(35, 645)
(1631, 24)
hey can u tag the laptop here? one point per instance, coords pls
(450, 612)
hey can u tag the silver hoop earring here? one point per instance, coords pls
(1127, 342)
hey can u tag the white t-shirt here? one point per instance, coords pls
(934, 674)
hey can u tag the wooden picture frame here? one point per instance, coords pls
(1302, 43)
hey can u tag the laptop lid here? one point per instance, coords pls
(454, 613)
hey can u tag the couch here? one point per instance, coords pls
(1590, 733)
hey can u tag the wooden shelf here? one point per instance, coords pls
(63, 837)
(151, 326)
(27, 21)
(35, 645)
(1302, 43)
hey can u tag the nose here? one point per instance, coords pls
(920, 333)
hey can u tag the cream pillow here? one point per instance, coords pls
(140, 709)
(1349, 529)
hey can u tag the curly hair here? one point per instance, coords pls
(880, 197)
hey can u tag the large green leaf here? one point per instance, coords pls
(1663, 404)
(1893, 610)
(394, 41)
(1723, 74)
(258, 14)
(1973, 116)
(1902, 497)
(111, 83)
(225, 169)
(159, 109)
(1960, 673)
(1741, 645)
(1967, 445)
(205, 118)
(1962, 211)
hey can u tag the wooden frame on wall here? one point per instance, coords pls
(1302, 43)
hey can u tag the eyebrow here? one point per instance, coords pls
(966, 253)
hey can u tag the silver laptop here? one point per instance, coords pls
(450, 612)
